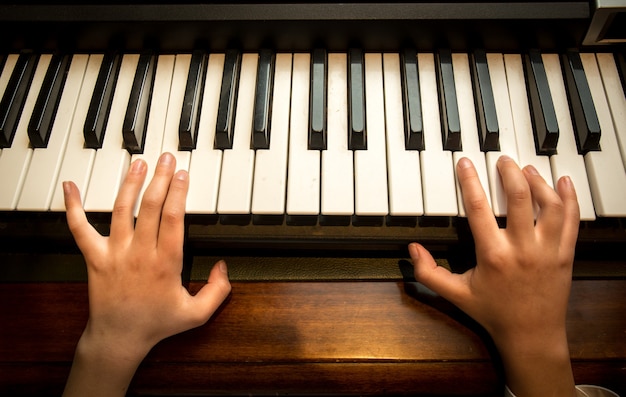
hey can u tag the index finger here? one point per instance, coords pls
(479, 213)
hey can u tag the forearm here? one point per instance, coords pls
(540, 366)
(101, 368)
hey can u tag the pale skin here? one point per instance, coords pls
(136, 297)
(518, 290)
(521, 283)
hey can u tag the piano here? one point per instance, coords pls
(320, 139)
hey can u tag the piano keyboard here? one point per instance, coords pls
(316, 137)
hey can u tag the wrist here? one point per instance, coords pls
(108, 348)
(540, 341)
(537, 363)
(103, 365)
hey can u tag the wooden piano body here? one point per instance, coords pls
(314, 310)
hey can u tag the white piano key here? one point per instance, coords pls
(5, 75)
(469, 127)
(206, 161)
(616, 97)
(508, 145)
(235, 191)
(78, 160)
(370, 165)
(46, 162)
(567, 161)
(156, 119)
(7, 69)
(270, 170)
(175, 104)
(112, 160)
(14, 161)
(438, 181)
(605, 169)
(405, 182)
(337, 159)
(520, 109)
(303, 172)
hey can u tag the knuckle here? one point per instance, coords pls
(554, 205)
(495, 256)
(476, 205)
(121, 209)
(151, 202)
(172, 215)
(519, 194)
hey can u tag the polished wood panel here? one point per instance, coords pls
(308, 337)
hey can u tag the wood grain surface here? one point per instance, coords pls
(297, 338)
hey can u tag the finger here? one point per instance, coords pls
(479, 213)
(149, 218)
(437, 278)
(519, 202)
(571, 213)
(550, 215)
(123, 216)
(84, 234)
(211, 295)
(172, 228)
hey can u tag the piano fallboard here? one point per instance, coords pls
(449, 238)
(294, 26)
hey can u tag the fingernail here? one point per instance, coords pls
(504, 157)
(568, 181)
(181, 175)
(137, 166)
(414, 251)
(464, 163)
(67, 188)
(222, 266)
(166, 159)
(531, 170)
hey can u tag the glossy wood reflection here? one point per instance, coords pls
(307, 337)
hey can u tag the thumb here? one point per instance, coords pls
(437, 278)
(213, 293)
(82, 231)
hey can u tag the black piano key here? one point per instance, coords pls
(413, 126)
(586, 123)
(44, 112)
(317, 113)
(136, 118)
(190, 113)
(100, 105)
(3, 59)
(620, 60)
(489, 131)
(357, 138)
(228, 99)
(545, 123)
(263, 96)
(14, 96)
(448, 106)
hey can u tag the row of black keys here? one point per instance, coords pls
(544, 118)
